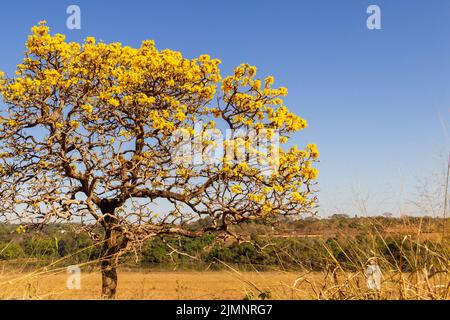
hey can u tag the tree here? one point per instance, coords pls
(93, 133)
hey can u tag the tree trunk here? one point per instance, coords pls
(109, 279)
(109, 265)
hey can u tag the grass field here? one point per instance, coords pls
(154, 285)
(414, 266)
(185, 285)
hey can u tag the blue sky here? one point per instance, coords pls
(377, 101)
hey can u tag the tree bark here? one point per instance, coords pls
(109, 265)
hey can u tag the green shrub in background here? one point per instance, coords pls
(348, 250)
(10, 251)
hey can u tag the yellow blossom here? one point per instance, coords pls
(269, 81)
(297, 197)
(74, 124)
(237, 189)
(114, 102)
(88, 108)
(256, 197)
(21, 229)
(180, 116)
(312, 148)
(12, 122)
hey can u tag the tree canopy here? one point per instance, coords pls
(90, 134)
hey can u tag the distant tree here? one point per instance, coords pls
(89, 136)
(338, 216)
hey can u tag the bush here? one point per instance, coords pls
(41, 247)
(10, 251)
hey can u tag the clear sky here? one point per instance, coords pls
(377, 101)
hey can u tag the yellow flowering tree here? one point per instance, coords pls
(87, 136)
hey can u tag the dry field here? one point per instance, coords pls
(152, 285)
(185, 285)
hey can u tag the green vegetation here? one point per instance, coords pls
(304, 244)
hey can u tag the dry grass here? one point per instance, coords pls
(153, 285)
(413, 268)
(221, 285)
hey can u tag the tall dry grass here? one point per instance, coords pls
(412, 268)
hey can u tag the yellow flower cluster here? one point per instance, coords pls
(12, 122)
(2, 79)
(258, 197)
(74, 124)
(183, 172)
(278, 188)
(143, 92)
(309, 172)
(114, 102)
(254, 103)
(282, 117)
(144, 100)
(21, 229)
(296, 170)
(126, 79)
(237, 172)
(297, 197)
(237, 189)
(88, 108)
(312, 148)
(267, 208)
(160, 122)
